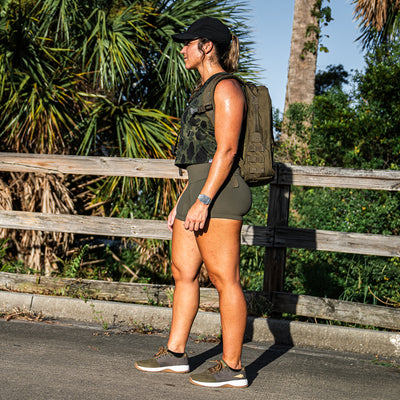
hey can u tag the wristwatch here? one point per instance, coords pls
(204, 199)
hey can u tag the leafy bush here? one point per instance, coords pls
(351, 130)
(252, 257)
(339, 275)
(8, 263)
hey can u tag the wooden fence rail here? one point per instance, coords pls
(280, 236)
(142, 293)
(275, 237)
(149, 168)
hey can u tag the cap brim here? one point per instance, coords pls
(181, 37)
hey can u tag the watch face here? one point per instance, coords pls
(204, 199)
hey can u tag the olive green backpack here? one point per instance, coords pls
(257, 136)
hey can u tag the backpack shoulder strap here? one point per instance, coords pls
(208, 103)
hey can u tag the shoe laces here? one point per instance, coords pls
(162, 351)
(217, 368)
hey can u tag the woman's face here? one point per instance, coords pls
(191, 54)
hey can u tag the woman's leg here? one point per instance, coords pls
(219, 246)
(186, 263)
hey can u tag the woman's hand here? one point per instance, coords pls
(196, 217)
(171, 219)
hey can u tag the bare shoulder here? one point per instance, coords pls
(228, 88)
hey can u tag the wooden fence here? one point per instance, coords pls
(276, 237)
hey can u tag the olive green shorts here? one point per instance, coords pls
(232, 201)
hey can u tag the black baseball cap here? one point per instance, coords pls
(210, 28)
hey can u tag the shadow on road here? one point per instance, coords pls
(282, 344)
(199, 359)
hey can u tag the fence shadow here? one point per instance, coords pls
(199, 359)
(282, 338)
(283, 342)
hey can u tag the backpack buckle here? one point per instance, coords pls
(201, 109)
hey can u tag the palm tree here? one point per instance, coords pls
(301, 75)
(304, 50)
(379, 20)
(94, 77)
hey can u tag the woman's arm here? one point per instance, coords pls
(172, 214)
(229, 109)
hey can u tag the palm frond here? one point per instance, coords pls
(112, 50)
(127, 131)
(60, 19)
(38, 117)
(379, 20)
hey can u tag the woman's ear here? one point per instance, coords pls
(207, 47)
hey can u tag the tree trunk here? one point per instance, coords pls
(302, 64)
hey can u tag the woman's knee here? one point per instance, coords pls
(222, 281)
(182, 273)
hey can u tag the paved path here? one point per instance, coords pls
(58, 360)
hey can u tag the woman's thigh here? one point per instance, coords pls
(219, 245)
(186, 258)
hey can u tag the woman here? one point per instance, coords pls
(207, 220)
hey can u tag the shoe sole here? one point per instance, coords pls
(178, 369)
(242, 383)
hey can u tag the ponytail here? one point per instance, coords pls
(230, 57)
(227, 55)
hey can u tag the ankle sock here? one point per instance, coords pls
(234, 370)
(179, 355)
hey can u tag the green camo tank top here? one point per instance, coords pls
(196, 144)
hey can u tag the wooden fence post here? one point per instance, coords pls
(275, 257)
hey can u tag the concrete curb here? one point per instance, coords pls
(291, 333)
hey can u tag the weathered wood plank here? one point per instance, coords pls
(88, 225)
(338, 177)
(343, 242)
(331, 309)
(158, 168)
(120, 227)
(82, 165)
(308, 306)
(253, 235)
(100, 290)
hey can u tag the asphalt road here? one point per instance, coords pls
(60, 360)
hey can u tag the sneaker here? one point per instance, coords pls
(164, 361)
(220, 376)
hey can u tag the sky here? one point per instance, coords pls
(272, 29)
